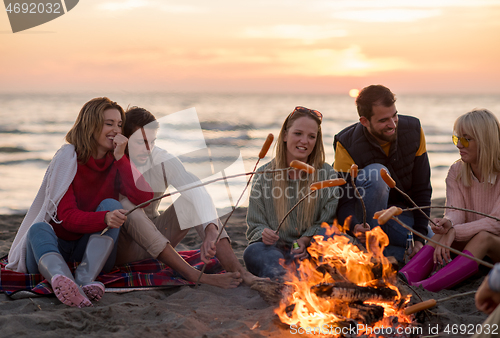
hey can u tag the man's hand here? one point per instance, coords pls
(360, 232)
(115, 218)
(486, 299)
(441, 254)
(269, 237)
(443, 225)
(208, 249)
(301, 252)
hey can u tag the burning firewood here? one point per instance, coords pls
(365, 313)
(349, 292)
(342, 283)
(272, 292)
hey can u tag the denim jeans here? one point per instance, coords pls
(262, 260)
(375, 193)
(41, 239)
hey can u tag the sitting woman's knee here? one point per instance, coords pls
(109, 204)
(483, 238)
(38, 228)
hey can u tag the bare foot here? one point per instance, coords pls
(249, 278)
(228, 280)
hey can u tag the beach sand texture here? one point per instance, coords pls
(187, 312)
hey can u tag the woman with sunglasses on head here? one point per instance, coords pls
(473, 182)
(78, 199)
(274, 194)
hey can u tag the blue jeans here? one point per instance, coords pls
(375, 193)
(263, 260)
(41, 239)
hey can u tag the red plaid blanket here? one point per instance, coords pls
(145, 273)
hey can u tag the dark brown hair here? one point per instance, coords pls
(136, 118)
(371, 96)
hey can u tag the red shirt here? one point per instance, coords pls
(94, 182)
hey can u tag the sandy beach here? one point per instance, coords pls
(187, 312)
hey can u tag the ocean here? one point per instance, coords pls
(228, 126)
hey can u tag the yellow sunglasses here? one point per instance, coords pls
(463, 140)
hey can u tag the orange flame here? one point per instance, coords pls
(350, 264)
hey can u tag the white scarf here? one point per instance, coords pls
(57, 179)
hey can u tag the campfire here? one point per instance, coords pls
(344, 285)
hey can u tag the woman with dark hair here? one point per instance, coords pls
(149, 233)
(273, 195)
(473, 182)
(77, 200)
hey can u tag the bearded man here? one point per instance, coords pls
(384, 139)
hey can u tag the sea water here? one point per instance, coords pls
(33, 127)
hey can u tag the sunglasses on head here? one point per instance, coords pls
(463, 140)
(309, 111)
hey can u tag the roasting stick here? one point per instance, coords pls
(197, 186)
(262, 154)
(354, 174)
(303, 167)
(313, 187)
(384, 215)
(455, 208)
(392, 184)
(432, 302)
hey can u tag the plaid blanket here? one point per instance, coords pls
(145, 273)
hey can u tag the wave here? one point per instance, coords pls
(13, 150)
(224, 126)
(32, 160)
(13, 131)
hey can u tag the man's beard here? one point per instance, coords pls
(384, 137)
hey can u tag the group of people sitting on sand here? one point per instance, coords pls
(111, 164)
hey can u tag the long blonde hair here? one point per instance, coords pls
(484, 128)
(305, 211)
(89, 122)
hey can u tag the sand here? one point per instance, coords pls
(187, 312)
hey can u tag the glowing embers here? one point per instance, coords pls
(344, 285)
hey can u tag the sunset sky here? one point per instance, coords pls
(318, 46)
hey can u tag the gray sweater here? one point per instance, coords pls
(261, 213)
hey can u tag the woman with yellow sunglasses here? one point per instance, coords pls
(473, 182)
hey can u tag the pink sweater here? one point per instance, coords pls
(483, 197)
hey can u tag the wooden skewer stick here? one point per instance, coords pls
(392, 184)
(432, 302)
(262, 154)
(302, 167)
(454, 208)
(197, 186)
(313, 187)
(477, 260)
(354, 174)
